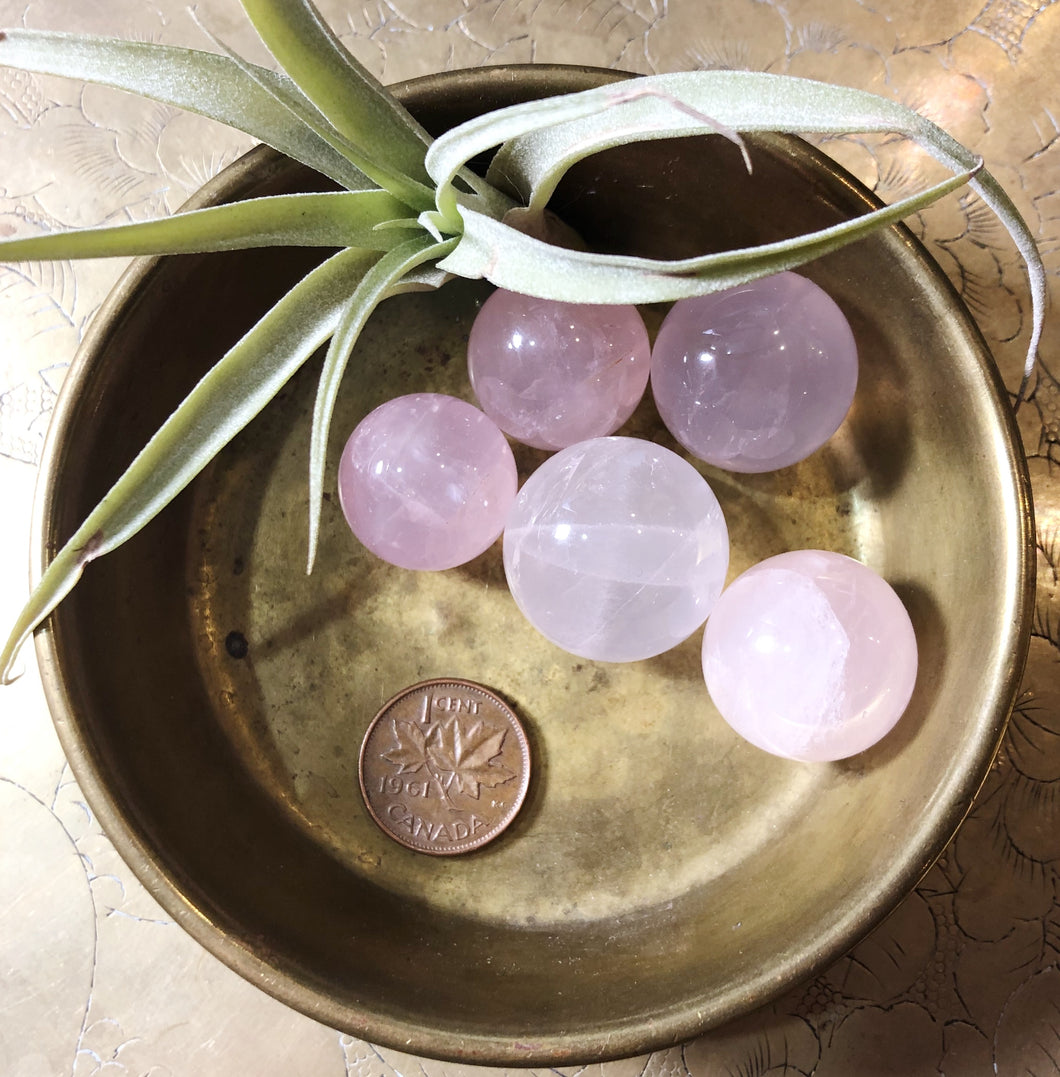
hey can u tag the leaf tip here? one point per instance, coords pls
(1024, 391)
(9, 671)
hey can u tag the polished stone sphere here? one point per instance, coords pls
(616, 549)
(426, 481)
(810, 655)
(550, 374)
(756, 377)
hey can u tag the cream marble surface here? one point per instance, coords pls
(964, 978)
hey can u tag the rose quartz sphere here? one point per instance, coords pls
(810, 655)
(426, 481)
(616, 549)
(756, 377)
(551, 374)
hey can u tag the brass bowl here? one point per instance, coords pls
(663, 876)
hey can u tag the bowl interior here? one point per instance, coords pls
(663, 875)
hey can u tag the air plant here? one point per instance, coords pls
(409, 213)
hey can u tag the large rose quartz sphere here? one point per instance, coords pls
(810, 655)
(426, 481)
(551, 374)
(756, 377)
(616, 549)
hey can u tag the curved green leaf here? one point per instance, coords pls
(674, 105)
(341, 219)
(351, 98)
(450, 152)
(510, 259)
(388, 275)
(200, 82)
(224, 401)
(666, 106)
(290, 96)
(543, 138)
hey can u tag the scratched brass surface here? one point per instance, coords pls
(663, 876)
(962, 979)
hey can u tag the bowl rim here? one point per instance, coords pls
(578, 1046)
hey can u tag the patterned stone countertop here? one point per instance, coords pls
(963, 979)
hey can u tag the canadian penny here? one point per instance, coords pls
(444, 766)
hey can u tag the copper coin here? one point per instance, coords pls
(444, 766)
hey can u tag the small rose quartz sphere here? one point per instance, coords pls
(551, 374)
(810, 655)
(616, 549)
(756, 377)
(426, 481)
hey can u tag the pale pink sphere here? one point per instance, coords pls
(426, 481)
(756, 377)
(810, 655)
(616, 549)
(551, 374)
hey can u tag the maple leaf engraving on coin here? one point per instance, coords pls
(410, 747)
(465, 755)
(426, 758)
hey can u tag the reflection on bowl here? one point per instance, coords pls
(662, 876)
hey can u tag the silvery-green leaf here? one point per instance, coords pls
(423, 278)
(675, 105)
(351, 98)
(383, 279)
(355, 103)
(451, 151)
(511, 259)
(200, 82)
(290, 96)
(539, 149)
(224, 401)
(340, 219)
